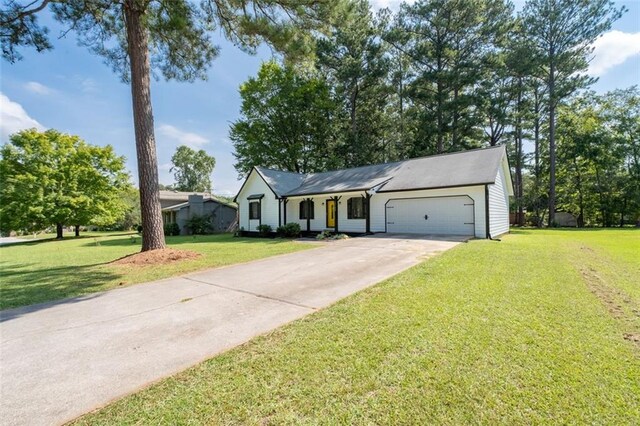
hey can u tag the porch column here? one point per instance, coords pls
(284, 203)
(337, 204)
(279, 212)
(368, 215)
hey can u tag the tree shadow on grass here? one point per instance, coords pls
(22, 286)
(190, 239)
(533, 231)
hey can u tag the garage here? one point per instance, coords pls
(449, 215)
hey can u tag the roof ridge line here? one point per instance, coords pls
(390, 162)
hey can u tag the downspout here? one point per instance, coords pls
(486, 211)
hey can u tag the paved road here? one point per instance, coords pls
(61, 360)
(12, 240)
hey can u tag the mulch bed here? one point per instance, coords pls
(156, 257)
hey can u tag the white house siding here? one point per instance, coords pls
(498, 206)
(256, 185)
(476, 193)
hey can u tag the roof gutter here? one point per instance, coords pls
(308, 194)
(436, 187)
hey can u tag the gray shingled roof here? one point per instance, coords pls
(356, 179)
(206, 199)
(281, 182)
(473, 167)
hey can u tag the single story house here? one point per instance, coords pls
(222, 215)
(463, 193)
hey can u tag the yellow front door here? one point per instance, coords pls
(331, 213)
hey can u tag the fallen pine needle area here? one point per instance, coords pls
(156, 257)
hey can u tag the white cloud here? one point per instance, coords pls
(189, 139)
(391, 4)
(612, 49)
(38, 88)
(89, 85)
(14, 118)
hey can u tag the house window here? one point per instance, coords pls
(356, 208)
(254, 210)
(303, 209)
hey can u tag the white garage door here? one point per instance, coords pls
(435, 215)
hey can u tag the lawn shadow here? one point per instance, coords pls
(34, 242)
(25, 290)
(190, 239)
(533, 231)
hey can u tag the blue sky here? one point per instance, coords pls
(73, 91)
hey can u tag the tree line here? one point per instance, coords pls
(449, 75)
(434, 74)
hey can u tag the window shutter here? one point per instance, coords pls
(350, 208)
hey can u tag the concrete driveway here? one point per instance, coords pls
(63, 359)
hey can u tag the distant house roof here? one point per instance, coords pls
(175, 200)
(466, 168)
(180, 195)
(171, 198)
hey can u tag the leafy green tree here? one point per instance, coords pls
(561, 34)
(51, 178)
(597, 172)
(131, 198)
(192, 169)
(448, 43)
(172, 36)
(353, 59)
(286, 122)
(622, 112)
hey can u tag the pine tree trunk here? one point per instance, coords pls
(138, 45)
(520, 189)
(77, 229)
(536, 137)
(440, 142)
(552, 146)
(59, 230)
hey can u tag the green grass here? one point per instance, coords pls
(511, 332)
(45, 270)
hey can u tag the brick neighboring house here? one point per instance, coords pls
(178, 207)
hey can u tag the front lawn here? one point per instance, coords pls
(538, 328)
(41, 271)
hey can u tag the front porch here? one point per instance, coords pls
(347, 213)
